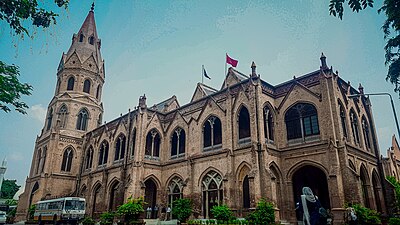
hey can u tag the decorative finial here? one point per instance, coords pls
(323, 61)
(253, 69)
(92, 8)
(361, 89)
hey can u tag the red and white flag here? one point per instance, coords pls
(231, 61)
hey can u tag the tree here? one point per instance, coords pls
(9, 188)
(15, 13)
(391, 30)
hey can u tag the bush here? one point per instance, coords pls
(394, 221)
(396, 185)
(88, 221)
(107, 218)
(182, 209)
(131, 209)
(31, 211)
(366, 216)
(264, 213)
(222, 212)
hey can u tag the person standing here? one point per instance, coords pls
(148, 212)
(310, 206)
(168, 217)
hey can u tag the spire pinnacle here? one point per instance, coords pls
(253, 69)
(323, 61)
(92, 8)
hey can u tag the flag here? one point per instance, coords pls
(205, 74)
(231, 61)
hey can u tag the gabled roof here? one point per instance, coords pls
(232, 77)
(164, 106)
(202, 91)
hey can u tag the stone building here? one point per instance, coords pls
(234, 145)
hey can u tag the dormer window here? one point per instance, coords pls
(81, 38)
(91, 40)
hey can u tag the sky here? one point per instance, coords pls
(158, 48)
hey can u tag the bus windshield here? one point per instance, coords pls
(74, 205)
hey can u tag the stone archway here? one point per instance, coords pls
(150, 196)
(315, 178)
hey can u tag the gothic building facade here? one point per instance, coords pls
(234, 145)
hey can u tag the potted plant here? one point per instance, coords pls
(182, 209)
(131, 210)
(107, 218)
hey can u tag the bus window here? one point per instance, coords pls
(74, 205)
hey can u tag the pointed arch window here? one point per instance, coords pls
(81, 38)
(366, 133)
(70, 84)
(175, 190)
(246, 192)
(49, 119)
(98, 91)
(43, 159)
(244, 125)
(91, 40)
(301, 121)
(89, 158)
(153, 144)
(86, 86)
(133, 142)
(178, 142)
(83, 117)
(38, 158)
(63, 116)
(212, 134)
(120, 147)
(268, 125)
(212, 192)
(343, 120)
(103, 154)
(67, 160)
(354, 127)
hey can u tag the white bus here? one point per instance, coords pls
(68, 210)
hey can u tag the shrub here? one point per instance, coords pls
(31, 211)
(264, 213)
(396, 185)
(394, 221)
(222, 212)
(132, 209)
(182, 209)
(88, 221)
(107, 218)
(366, 216)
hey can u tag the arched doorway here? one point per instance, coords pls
(96, 201)
(212, 192)
(314, 178)
(114, 197)
(150, 197)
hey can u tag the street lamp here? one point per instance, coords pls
(391, 101)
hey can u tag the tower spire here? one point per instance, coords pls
(92, 8)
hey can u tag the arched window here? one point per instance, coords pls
(71, 83)
(301, 121)
(63, 116)
(268, 125)
(98, 91)
(120, 147)
(244, 125)
(86, 86)
(364, 186)
(212, 192)
(89, 158)
(133, 142)
(212, 134)
(178, 143)
(343, 119)
(83, 117)
(81, 38)
(38, 157)
(99, 120)
(103, 154)
(67, 160)
(153, 144)
(365, 128)
(175, 190)
(43, 159)
(91, 40)
(246, 192)
(49, 119)
(354, 127)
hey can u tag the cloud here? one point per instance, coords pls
(38, 112)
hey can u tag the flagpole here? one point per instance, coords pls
(202, 75)
(225, 63)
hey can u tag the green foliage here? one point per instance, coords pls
(12, 213)
(31, 211)
(131, 209)
(366, 216)
(391, 30)
(396, 185)
(264, 213)
(182, 208)
(107, 218)
(10, 202)
(394, 221)
(9, 187)
(222, 212)
(88, 221)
